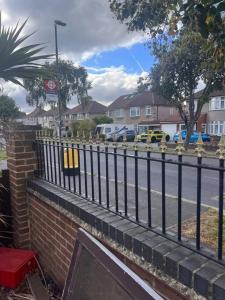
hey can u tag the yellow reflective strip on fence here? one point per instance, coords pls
(72, 154)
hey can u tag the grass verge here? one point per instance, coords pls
(209, 229)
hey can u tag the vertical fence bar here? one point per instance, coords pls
(149, 188)
(163, 195)
(68, 165)
(42, 157)
(79, 176)
(220, 220)
(85, 171)
(38, 153)
(59, 162)
(50, 159)
(63, 164)
(136, 185)
(198, 212)
(39, 157)
(73, 162)
(54, 158)
(179, 193)
(107, 175)
(116, 178)
(99, 176)
(125, 180)
(46, 150)
(92, 174)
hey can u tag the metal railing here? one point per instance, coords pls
(121, 178)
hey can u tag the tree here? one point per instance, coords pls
(168, 17)
(72, 80)
(17, 61)
(143, 84)
(8, 109)
(103, 120)
(177, 73)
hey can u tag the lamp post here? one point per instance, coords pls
(60, 23)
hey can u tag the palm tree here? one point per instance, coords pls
(16, 61)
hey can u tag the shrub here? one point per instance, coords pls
(84, 126)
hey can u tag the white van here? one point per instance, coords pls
(109, 129)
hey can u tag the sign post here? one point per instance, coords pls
(51, 88)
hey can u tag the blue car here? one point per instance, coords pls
(194, 136)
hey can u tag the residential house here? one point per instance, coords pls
(21, 117)
(35, 117)
(91, 110)
(146, 111)
(215, 118)
(50, 118)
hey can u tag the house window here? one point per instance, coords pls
(204, 128)
(148, 110)
(216, 128)
(80, 116)
(135, 111)
(118, 113)
(221, 127)
(222, 102)
(217, 103)
(182, 127)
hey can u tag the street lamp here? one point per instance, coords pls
(60, 23)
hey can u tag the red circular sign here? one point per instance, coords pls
(51, 85)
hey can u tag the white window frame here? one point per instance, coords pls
(216, 103)
(148, 110)
(135, 111)
(80, 116)
(204, 128)
(119, 113)
(216, 127)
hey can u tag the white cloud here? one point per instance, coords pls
(110, 83)
(91, 29)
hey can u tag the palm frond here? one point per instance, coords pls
(16, 61)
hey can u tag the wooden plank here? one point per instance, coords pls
(38, 291)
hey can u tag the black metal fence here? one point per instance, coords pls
(134, 183)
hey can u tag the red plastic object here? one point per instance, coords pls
(14, 265)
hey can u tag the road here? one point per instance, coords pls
(210, 185)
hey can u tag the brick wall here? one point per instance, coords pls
(21, 165)
(53, 235)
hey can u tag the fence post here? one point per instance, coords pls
(21, 164)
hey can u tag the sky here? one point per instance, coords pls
(93, 38)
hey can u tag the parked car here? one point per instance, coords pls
(193, 138)
(118, 135)
(130, 136)
(154, 135)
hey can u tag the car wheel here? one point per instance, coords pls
(167, 138)
(153, 139)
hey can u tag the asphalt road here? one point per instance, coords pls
(209, 190)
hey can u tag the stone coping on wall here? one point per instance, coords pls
(205, 276)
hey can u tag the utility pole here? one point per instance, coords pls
(60, 23)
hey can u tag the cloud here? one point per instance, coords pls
(91, 27)
(110, 83)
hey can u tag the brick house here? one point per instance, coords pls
(146, 111)
(215, 117)
(91, 110)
